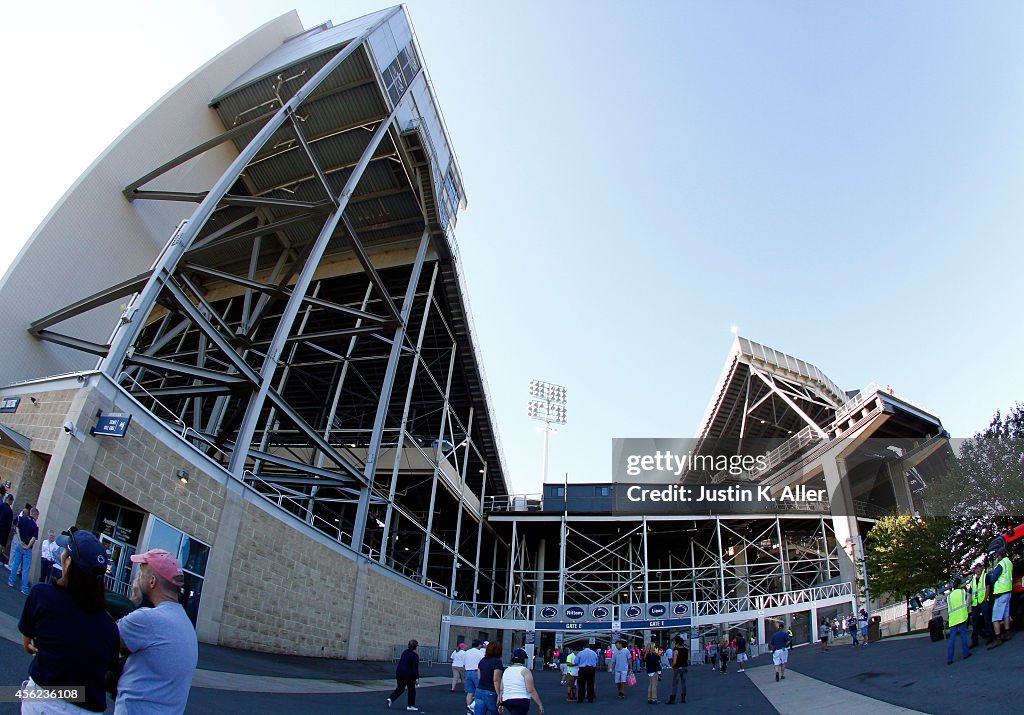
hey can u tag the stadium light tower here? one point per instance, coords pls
(547, 404)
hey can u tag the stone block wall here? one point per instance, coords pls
(287, 592)
(42, 421)
(393, 614)
(289, 589)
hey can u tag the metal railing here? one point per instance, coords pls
(859, 400)
(509, 611)
(893, 612)
(772, 600)
(715, 607)
(174, 417)
(429, 654)
(114, 586)
(866, 510)
(514, 502)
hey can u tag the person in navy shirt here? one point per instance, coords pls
(6, 524)
(66, 628)
(407, 673)
(780, 651)
(25, 537)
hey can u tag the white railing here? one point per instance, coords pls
(724, 606)
(893, 612)
(772, 600)
(505, 611)
(859, 400)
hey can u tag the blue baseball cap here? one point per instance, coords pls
(86, 551)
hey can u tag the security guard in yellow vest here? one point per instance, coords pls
(958, 605)
(1001, 579)
(980, 626)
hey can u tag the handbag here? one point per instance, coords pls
(631, 679)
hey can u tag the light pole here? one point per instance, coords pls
(546, 404)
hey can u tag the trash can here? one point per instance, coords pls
(874, 629)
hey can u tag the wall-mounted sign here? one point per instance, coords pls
(600, 613)
(9, 404)
(575, 612)
(656, 623)
(682, 609)
(112, 425)
(631, 612)
(548, 613)
(656, 611)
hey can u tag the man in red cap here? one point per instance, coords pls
(160, 641)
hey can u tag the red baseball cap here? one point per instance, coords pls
(166, 566)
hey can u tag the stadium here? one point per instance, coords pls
(260, 355)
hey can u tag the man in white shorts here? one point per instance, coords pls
(780, 651)
(620, 666)
(741, 652)
(1001, 579)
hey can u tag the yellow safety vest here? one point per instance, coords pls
(978, 589)
(1005, 582)
(957, 604)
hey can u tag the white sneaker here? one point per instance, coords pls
(389, 702)
(411, 707)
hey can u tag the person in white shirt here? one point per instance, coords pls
(46, 558)
(473, 657)
(517, 688)
(56, 572)
(459, 666)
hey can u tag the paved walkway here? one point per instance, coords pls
(799, 694)
(904, 675)
(250, 683)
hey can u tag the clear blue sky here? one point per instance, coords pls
(841, 181)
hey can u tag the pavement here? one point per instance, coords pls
(904, 675)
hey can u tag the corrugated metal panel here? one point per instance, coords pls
(262, 96)
(299, 49)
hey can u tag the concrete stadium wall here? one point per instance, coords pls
(272, 584)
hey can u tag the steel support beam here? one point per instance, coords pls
(384, 400)
(438, 456)
(127, 334)
(247, 428)
(393, 487)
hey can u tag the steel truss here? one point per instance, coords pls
(300, 327)
(641, 560)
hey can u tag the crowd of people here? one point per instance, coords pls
(981, 600)
(144, 660)
(491, 685)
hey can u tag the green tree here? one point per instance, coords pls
(983, 491)
(907, 555)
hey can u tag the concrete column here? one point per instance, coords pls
(60, 497)
(444, 638)
(760, 630)
(218, 565)
(844, 523)
(506, 643)
(355, 629)
(901, 488)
